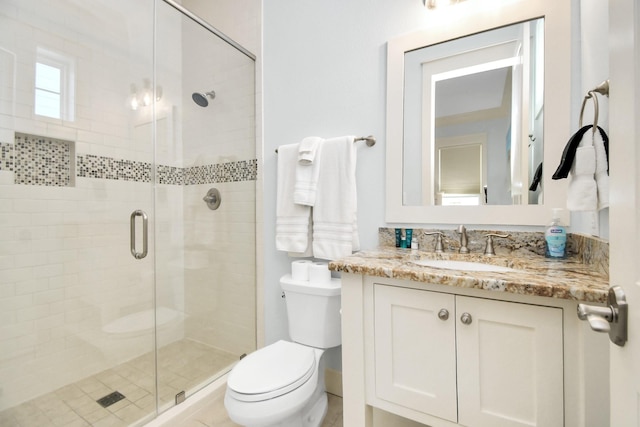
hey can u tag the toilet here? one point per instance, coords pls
(282, 384)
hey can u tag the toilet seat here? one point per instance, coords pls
(271, 372)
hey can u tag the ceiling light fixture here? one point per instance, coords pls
(432, 4)
(145, 98)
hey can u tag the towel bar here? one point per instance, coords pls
(371, 140)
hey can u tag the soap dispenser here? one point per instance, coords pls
(555, 237)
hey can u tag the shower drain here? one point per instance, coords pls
(110, 399)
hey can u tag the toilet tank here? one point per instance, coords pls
(313, 311)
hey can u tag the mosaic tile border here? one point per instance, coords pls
(90, 166)
(6, 156)
(170, 175)
(38, 160)
(243, 170)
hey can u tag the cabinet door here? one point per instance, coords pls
(415, 350)
(510, 364)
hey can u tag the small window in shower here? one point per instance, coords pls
(55, 86)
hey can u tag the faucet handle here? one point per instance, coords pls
(438, 248)
(488, 249)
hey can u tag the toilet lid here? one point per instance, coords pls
(272, 371)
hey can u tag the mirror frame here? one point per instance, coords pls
(462, 20)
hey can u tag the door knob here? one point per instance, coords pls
(443, 314)
(611, 318)
(598, 317)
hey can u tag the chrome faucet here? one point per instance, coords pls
(463, 240)
(488, 249)
(438, 248)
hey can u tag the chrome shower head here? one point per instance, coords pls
(201, 98)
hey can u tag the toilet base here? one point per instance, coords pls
(311, 415)
(317, 412)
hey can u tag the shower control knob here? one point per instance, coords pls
(443, 314)
(212, 199)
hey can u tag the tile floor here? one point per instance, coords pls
(216, 416)
(182, 365)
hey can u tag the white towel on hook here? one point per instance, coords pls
(582, 194)
(293, 221)
(601, 170)
(307, 171)
(335, 232)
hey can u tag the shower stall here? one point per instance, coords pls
(127, 211)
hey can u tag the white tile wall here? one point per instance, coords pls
(67, 278)
(222, 307)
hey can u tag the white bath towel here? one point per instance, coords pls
(308, 149)
(335, 232)
(582, 194)
(602, 168)
(293, 221)
(307, 171)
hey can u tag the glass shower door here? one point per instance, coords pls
(76, 139)
(205, 252)
(98, 131)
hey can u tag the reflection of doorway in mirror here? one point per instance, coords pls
(460, 170)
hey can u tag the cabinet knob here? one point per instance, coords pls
(443, 314)
(466, 318)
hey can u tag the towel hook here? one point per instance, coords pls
(593, 96)
(602, 89)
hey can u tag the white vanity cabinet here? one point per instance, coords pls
(447, 356)
(472, 361)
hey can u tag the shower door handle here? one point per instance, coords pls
(134, 252)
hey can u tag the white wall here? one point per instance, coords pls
(324, 74)
(591, 68)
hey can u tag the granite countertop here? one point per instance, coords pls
(535, 275)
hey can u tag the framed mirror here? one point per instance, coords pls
(471, 106)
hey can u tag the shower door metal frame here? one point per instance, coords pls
(206, 25)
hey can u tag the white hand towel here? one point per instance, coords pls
(307, 171)
(293, 221)
(308, 150)
(335, 231)
(602, 167)
(582, 193)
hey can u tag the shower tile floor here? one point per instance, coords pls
(182, 365)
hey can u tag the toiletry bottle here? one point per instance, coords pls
(398, 236)
(555, 237)
(409, 235)
(414, 245)
(403, 241)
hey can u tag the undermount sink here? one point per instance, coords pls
(461, 265)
